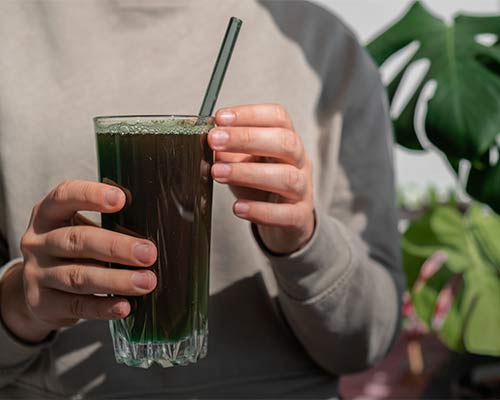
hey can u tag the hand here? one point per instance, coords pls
(261, 157)
(55, 285)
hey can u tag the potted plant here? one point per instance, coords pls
(451, 250)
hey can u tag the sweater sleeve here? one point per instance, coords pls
(341, 292)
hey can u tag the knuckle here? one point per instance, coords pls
(76, 278)
(295, 181)
(74, 240)
(86, 191)
(29, 274)
(253, 112)
(114, 248)
(246, 137)
(77, 307)
(289, 143)
(28, 242)
(60, 193)
(281, 114)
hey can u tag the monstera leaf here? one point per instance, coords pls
(470, 241)
(463, 116)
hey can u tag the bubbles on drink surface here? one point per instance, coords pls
(163, 125)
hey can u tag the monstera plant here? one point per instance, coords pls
(463, 116)
(452, 255)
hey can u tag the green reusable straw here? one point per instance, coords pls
(220, 67)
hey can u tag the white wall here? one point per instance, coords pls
(368, 17)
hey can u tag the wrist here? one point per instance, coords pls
(14, 311)
(284, 241)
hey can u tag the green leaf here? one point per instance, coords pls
(420, 231)
(451, 333)
(482, 330)
(471, 242)
(441, 228)
(485, 226)
(463, 117)
(424, 300)
(448, 226)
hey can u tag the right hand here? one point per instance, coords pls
(61, 272)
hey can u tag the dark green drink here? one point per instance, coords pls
(163, 166)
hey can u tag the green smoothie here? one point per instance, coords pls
(163, 167)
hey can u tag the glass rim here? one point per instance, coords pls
(150, 116)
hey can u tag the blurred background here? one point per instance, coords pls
(448, 195)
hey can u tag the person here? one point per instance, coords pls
(305, 268)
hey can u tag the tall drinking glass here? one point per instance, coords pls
(162, 163)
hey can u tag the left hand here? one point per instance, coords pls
(261, 157)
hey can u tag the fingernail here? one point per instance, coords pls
(112, 197)
(221, 170)
(219, 138)
(142, 279)
(143, 252)
(120, 310)
(227, 117)
(241, 208)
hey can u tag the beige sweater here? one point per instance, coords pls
(279, 326)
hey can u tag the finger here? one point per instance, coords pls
(250, 194)
(254, 115)
(67, 198)
(99, 244)
(283, 179)
(284, 215)
(61, 308)
(233, 157)
(280, 143)
(92, 278)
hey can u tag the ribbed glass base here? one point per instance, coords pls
(166, 354)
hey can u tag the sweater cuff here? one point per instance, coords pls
(14, 351)
(316, 268)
